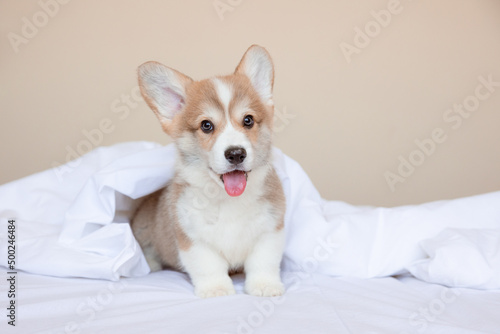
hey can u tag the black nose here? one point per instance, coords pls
(235, 155)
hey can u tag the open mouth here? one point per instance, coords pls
(235, 182)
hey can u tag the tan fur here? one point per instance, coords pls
(274, 194)
(156, 209)
(200, 95)
(183, 241)
(244, 96)
(170, 226)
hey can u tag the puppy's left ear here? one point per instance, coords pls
(257, 65)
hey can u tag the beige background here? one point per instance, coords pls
(347, 123)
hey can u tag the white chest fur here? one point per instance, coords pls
(230, 226)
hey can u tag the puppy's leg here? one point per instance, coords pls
(208, 271)
(262, 266)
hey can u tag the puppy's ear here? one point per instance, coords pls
(164, 90)
(257, 65)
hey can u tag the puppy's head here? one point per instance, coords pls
(222, 125)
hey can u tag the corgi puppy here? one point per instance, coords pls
(224, 209)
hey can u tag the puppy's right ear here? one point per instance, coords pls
(164, 90)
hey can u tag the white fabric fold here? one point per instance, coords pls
(468, 258)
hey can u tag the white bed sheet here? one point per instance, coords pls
(163, 302)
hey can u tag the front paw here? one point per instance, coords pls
(214, 290)
(264, 287)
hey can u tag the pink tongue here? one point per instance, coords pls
(235, 182)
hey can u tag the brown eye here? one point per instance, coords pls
(248, 121)
(207, 126)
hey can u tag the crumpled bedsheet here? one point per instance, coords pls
(73, 221)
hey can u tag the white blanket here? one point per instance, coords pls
(73, 221)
